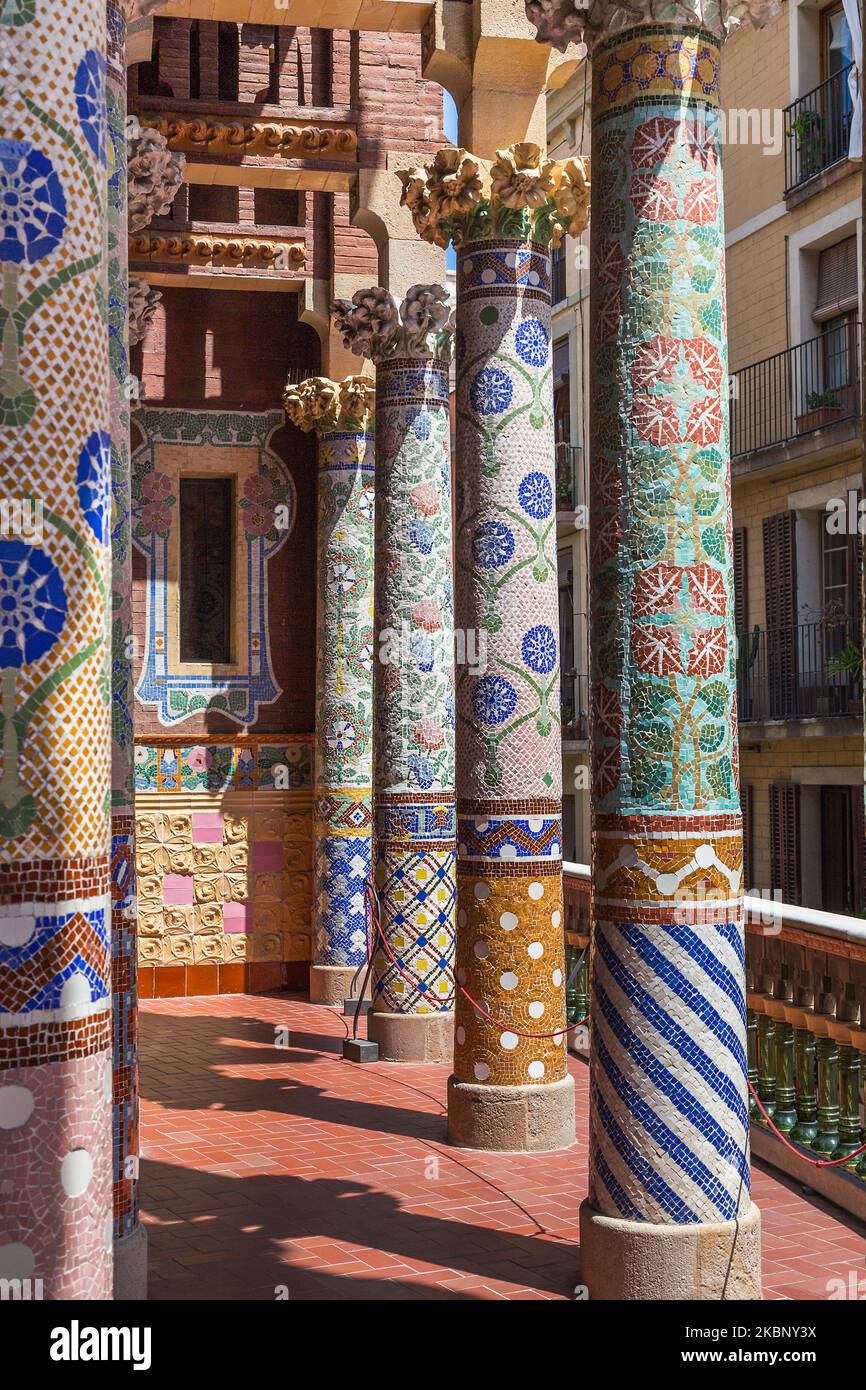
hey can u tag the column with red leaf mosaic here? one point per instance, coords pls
(669, 1196)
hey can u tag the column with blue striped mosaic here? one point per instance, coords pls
(669, 1213)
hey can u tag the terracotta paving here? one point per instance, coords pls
(272, 1171)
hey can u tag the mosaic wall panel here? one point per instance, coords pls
(669, 1125)
(510, 943)
(343, 804)
(55, 972)
(209, 443)
(224, 877)
(414, 689)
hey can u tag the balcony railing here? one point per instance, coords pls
(574, 705)
(805, 1030)
(818, 129)
(793, 393)
(569, 477)
(802, 671)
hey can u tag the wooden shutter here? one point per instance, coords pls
(780, 602)
(837, 279)
(858, 858)
(741, 607)
(785, 840)
(746, 804)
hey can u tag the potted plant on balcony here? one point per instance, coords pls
(822, 407)
(849, 662)
(807, 132)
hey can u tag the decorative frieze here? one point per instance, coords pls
(198, 250)
(195, 134)
(154, 174)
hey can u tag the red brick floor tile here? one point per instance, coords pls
(265, 1167)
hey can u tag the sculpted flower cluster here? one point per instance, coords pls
(448, 196)
(373, 326)
(323, 405)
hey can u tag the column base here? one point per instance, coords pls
(412, 1037)
(637, 1261)
(331, 984)
(130, 1267)
(511, 1119)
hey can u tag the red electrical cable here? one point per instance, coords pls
(506, 1027)
(815, 1162)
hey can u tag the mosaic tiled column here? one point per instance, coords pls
(669, 1214)
(510, 1088)
(130, 1242)
(412, 1016)
(341, 413)
(55, 681)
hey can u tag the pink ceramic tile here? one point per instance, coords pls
(267, 856)
(237, 917)
(207, 827)
(177, 890)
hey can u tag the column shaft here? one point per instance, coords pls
(412, 1018)
(508, 1090)
(55, 593)
(130, 1254)
(343, 792)
(669, 1168)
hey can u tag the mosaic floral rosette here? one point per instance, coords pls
(509, 923)
(343, 795)
(414, 688)
(669, 1122)
(55, 670)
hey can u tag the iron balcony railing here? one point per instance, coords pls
(574, 705)
(803, 671)
(818, 129)
(795, 392)
(570, 491)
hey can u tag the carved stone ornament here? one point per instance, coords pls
(154, 174)
(143, 299)
(562, 22)
(140, 9)
(521, 193)
(326, 406)
(372, 325)
(259, 137)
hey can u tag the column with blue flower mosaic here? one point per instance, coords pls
(412, 1016)
(669, 1213)
(510, 1088)
(342, 415)
(55, 681)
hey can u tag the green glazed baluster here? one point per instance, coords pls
(581, 985)
(571, 1004)
(850, 1129)
(785, 1117)
(806, 1130)
(767, 1063)
(861, 1162)
(827, 1138)
(752, 1059)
